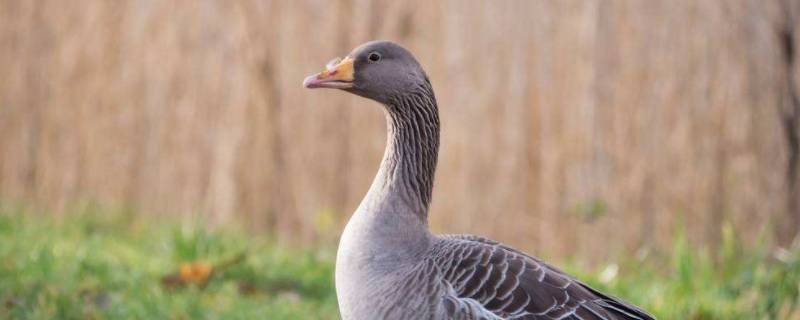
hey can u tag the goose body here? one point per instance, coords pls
(390, 266)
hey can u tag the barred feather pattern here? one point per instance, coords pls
(469, 277)
(509, 284)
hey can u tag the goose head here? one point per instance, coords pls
(377, 70)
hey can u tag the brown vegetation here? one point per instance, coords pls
(593, 127)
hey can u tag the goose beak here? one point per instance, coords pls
(338, 74)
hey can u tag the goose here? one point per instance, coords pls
(389, 265)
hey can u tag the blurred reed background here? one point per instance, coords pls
(570, 128)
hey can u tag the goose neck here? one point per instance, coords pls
(409, 162)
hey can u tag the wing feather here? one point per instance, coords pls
(509, 284)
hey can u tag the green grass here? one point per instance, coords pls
(95, 267)
(99, 265)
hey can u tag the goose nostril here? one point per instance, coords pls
(332, 64)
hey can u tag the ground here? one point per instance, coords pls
(112, 265)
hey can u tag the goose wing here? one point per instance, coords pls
(486, 276)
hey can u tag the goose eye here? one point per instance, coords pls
(374, 57)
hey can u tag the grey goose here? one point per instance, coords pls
(390, 266)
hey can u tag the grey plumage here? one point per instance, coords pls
(390, 266)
